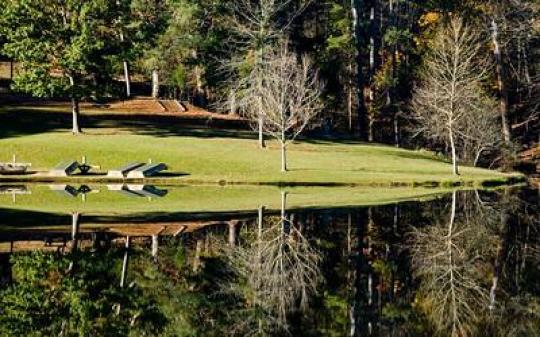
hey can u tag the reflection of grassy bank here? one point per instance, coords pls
(212, 151)
(210, 199)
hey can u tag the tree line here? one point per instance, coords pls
(460, 76)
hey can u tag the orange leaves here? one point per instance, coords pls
(429, 19)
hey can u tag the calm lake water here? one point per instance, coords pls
(463, 264)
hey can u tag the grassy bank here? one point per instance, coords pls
(195, 159)
(198, 154)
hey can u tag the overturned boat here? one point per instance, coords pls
(13, 169)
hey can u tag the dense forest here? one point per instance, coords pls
(458, 77)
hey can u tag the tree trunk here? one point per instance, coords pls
(75, 112)
(370, 129)
(396, 219)
(260, 220)
(75, 225)
(477, 157)
(283, 206)
(155, 84)
(392, 90)
(199, 86)
(197, 257)
(357, 33)
(262, 143)
(123, 276)
(232, 102)
(372, 29)
(155, 246)
(127, 79)
(503, 92)
(350, 86)
(452, 214)
(526, 69)
(283, 157)
(232, 233)
(396, 130)
(455, 170)
(372, 33)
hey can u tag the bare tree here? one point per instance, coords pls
(280, 269)
(480, 135)
(286, 94)
(256, 30)
(446, 259)
(450, 94)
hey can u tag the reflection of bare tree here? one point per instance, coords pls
(446, 258)
(280, 269)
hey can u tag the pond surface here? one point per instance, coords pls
(466, 263)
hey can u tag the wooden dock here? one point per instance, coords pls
(39, 238)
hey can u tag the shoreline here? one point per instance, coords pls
(166, 180)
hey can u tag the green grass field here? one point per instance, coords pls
(203, 155)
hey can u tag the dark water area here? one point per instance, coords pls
(464, 264)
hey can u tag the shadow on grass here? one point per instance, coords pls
(23, 121)
(18, 122)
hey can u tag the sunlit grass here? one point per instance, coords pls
(211, 158)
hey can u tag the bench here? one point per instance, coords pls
(64, 169)
(124, 170)
(147, 170)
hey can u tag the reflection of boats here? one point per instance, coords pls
(65, 190)
(148, 191)
(14, 189)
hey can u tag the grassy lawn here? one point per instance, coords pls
(198, 154)
(209, 199)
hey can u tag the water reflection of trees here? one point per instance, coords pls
(470, 266)
(50, 297)
(277, 270)
(446, 257)
(474, 260)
